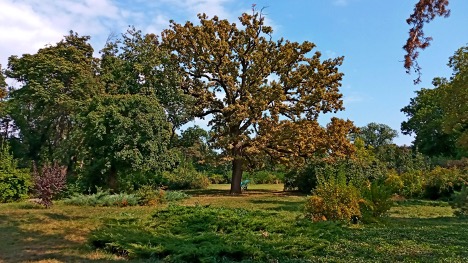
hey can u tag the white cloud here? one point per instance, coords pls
(27, 25)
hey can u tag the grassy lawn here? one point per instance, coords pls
(263, 224)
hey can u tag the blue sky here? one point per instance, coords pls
(369, 33)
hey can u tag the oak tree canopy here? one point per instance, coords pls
(264, 96)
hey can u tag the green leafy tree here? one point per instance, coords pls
(136, 64)
(125, 134)
(376, 135)
(53, 85)
(455, 100)
(438, 117)
(4, 118)
(14, 183)
(264, 96)
(425, 118)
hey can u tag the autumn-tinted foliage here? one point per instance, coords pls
(264, 96)
(424, 12)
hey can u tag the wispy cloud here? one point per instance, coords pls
(27, 25)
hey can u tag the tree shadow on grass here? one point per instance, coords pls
(277, 205)
(253, 192)
(413, 202)
(19, 245)
(407, 239)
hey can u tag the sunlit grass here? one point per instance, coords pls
(415, 231)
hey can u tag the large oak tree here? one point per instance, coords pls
(264, 96)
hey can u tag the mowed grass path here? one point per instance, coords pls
(416, 231)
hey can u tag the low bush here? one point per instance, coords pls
(377, 200)
(212, 234)
(412, 184)
(218, 179)
(172, 196)
(460, 202)
(185, 178)
(335, 200)
(394, 182)
(442, 182)
(14, 183)
(150, 195)
(103, 198)
(302, 180)
(49, 181)
(264, 177)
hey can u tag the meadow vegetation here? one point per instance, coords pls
(264, 224)
(94, 166)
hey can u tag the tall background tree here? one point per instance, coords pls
(102, 117)
(264, 96)
(53, 85)
(438, 117)
(376, 134)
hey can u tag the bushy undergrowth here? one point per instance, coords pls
(218, 178)
(434, 184)
(208, 234)
(334, 200)
(185, 178)
(377, 200)
(103, 198)
(146, 195)
(443, 182)
(302, 179)
(150, 195)
(264, 177)
(460, 202)
(171, 196)
(14, 183)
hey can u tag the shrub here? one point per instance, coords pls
(185, 178)
(302, 180)
(103, 198)
(218, 179)
(14, 183)
(48, 182)
(394, 182)
(150, 195)
(265, 177)
(334, 200)
(412, 183)
(175, 196)
(460, 202)
(442, 182)
(377, 200)
(216, 234)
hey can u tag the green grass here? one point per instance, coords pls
(263, 224)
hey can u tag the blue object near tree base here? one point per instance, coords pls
(245, 184)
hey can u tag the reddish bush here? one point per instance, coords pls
(48, 182)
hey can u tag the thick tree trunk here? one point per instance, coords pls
(236, 176)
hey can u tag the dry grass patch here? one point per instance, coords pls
(29, 233)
